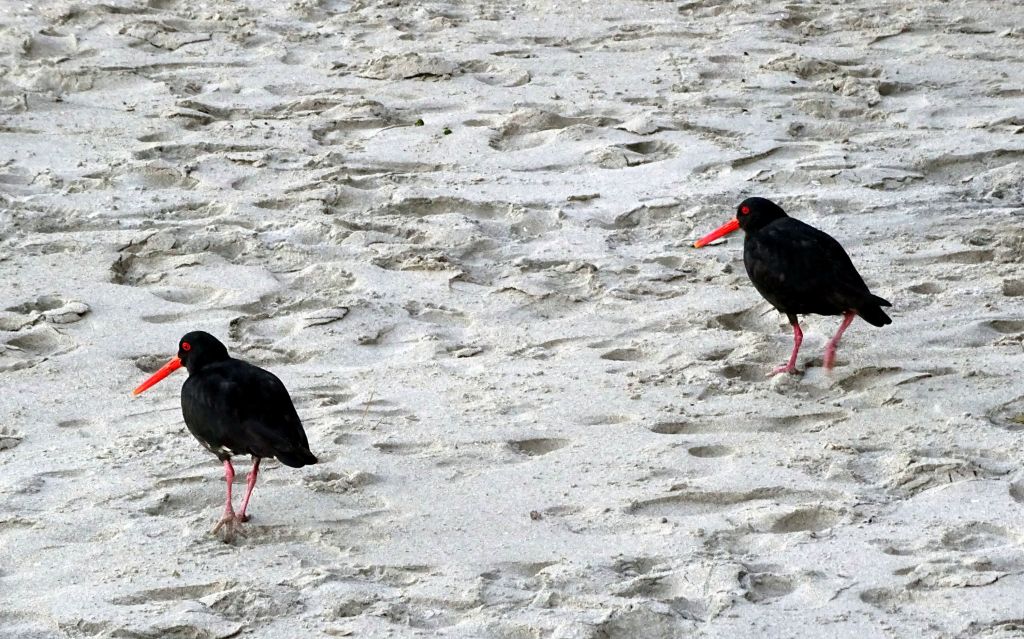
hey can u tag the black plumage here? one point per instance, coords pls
(801, 270)
(235, 408)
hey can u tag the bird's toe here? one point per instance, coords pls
(785, 368)
(229, 527)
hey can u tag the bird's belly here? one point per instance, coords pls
(221, 451)
(218, 448)
(795, 300)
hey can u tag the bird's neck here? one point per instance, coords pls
(196, 365)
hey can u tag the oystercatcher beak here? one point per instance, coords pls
(725, 229)
(164, 371)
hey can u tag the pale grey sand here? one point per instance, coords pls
(498, 313)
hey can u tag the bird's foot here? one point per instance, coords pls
(231, 524)
(789, 369)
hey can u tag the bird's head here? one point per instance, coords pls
(756, 213)
(198, 348)
(195, 350)
(752, 214)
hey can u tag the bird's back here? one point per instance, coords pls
(233, 407)
(800, 269)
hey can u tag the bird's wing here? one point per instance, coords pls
(247, 410)
(274, 418)
(795, 259)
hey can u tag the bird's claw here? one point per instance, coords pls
(232, 525)
(785, 368)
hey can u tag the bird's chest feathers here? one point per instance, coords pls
(213, 428)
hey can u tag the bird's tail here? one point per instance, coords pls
(872, 313)
(297, 458)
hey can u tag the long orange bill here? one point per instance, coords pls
(164, 371)
(725, 229)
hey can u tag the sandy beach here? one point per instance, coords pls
(460, 233)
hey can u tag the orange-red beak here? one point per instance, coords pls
(725, 229)
(164, 371)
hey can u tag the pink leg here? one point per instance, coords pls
(798, 338)
(229, 478)
(830, 349)
(229, 522)
(250, 484)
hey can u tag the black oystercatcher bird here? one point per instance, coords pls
(235, 408)
(800, 270)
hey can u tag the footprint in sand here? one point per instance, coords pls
(334, 482)
(9, 438)
(802, 519)
(622, 156)
(497, 74)
(678, 428)
(978, 535)
(531, 128)
(926, 288)
(1009, 415)
(753, 318)
(765, 587)
(1017, 491)
(50, 308)
(624, 355)
(344, 120)
(710, 451)
(539, 446)
(744, 372)
(871, 377)
(28, 348)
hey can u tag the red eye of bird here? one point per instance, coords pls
(185, 346)
(745, 210)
